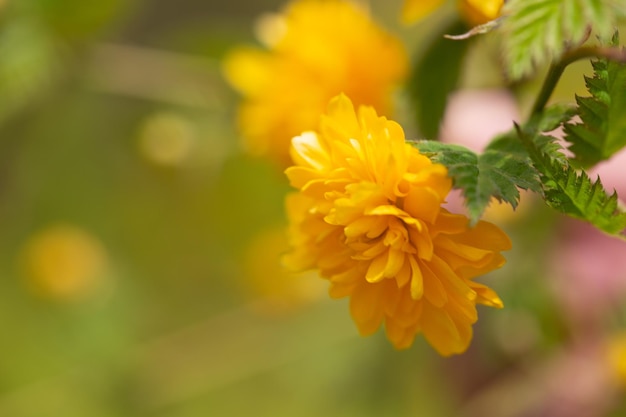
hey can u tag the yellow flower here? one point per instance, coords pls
(368, 215)
(318, 49)
(474, 12)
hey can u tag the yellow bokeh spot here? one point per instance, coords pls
(166, 139)
(64, 262)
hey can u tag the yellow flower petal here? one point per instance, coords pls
(376, 271)
(366, 307)
(434, 290)
(308, 150)
(371, 226)
(486, 296)
(423, 203)
(406, 274)
(417, 280)
(395, 262)
(400, 336)
(477, 12)
(441, 331)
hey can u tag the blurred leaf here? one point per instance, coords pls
(74, 20)
(434, 77)
(28, 66)
(602, 130)
(498, 172)
(538, 31)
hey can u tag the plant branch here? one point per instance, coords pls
(556, 69)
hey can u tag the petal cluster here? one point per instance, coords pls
(368, 215)
(316, 50)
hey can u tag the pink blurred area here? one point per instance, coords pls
(589, 266)
(613, 174)
(474, 117)
(589, 271)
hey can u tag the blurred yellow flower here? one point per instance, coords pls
(616, 355)
(317, 49)
(368, 215)
(64, 263)
(474, 12)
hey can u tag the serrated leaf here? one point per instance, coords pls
(602, 128)
(496, 173)
(569, 191)
(434, 77)
(552, 117)
(574, 194)
(539, 31)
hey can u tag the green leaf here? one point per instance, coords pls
(552, 117)
(571, 192)
(602, 128)
(538, 31)
(434, 77)
(497, 173)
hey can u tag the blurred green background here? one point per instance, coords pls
(139, 245)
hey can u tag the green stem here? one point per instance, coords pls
(556, 70)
